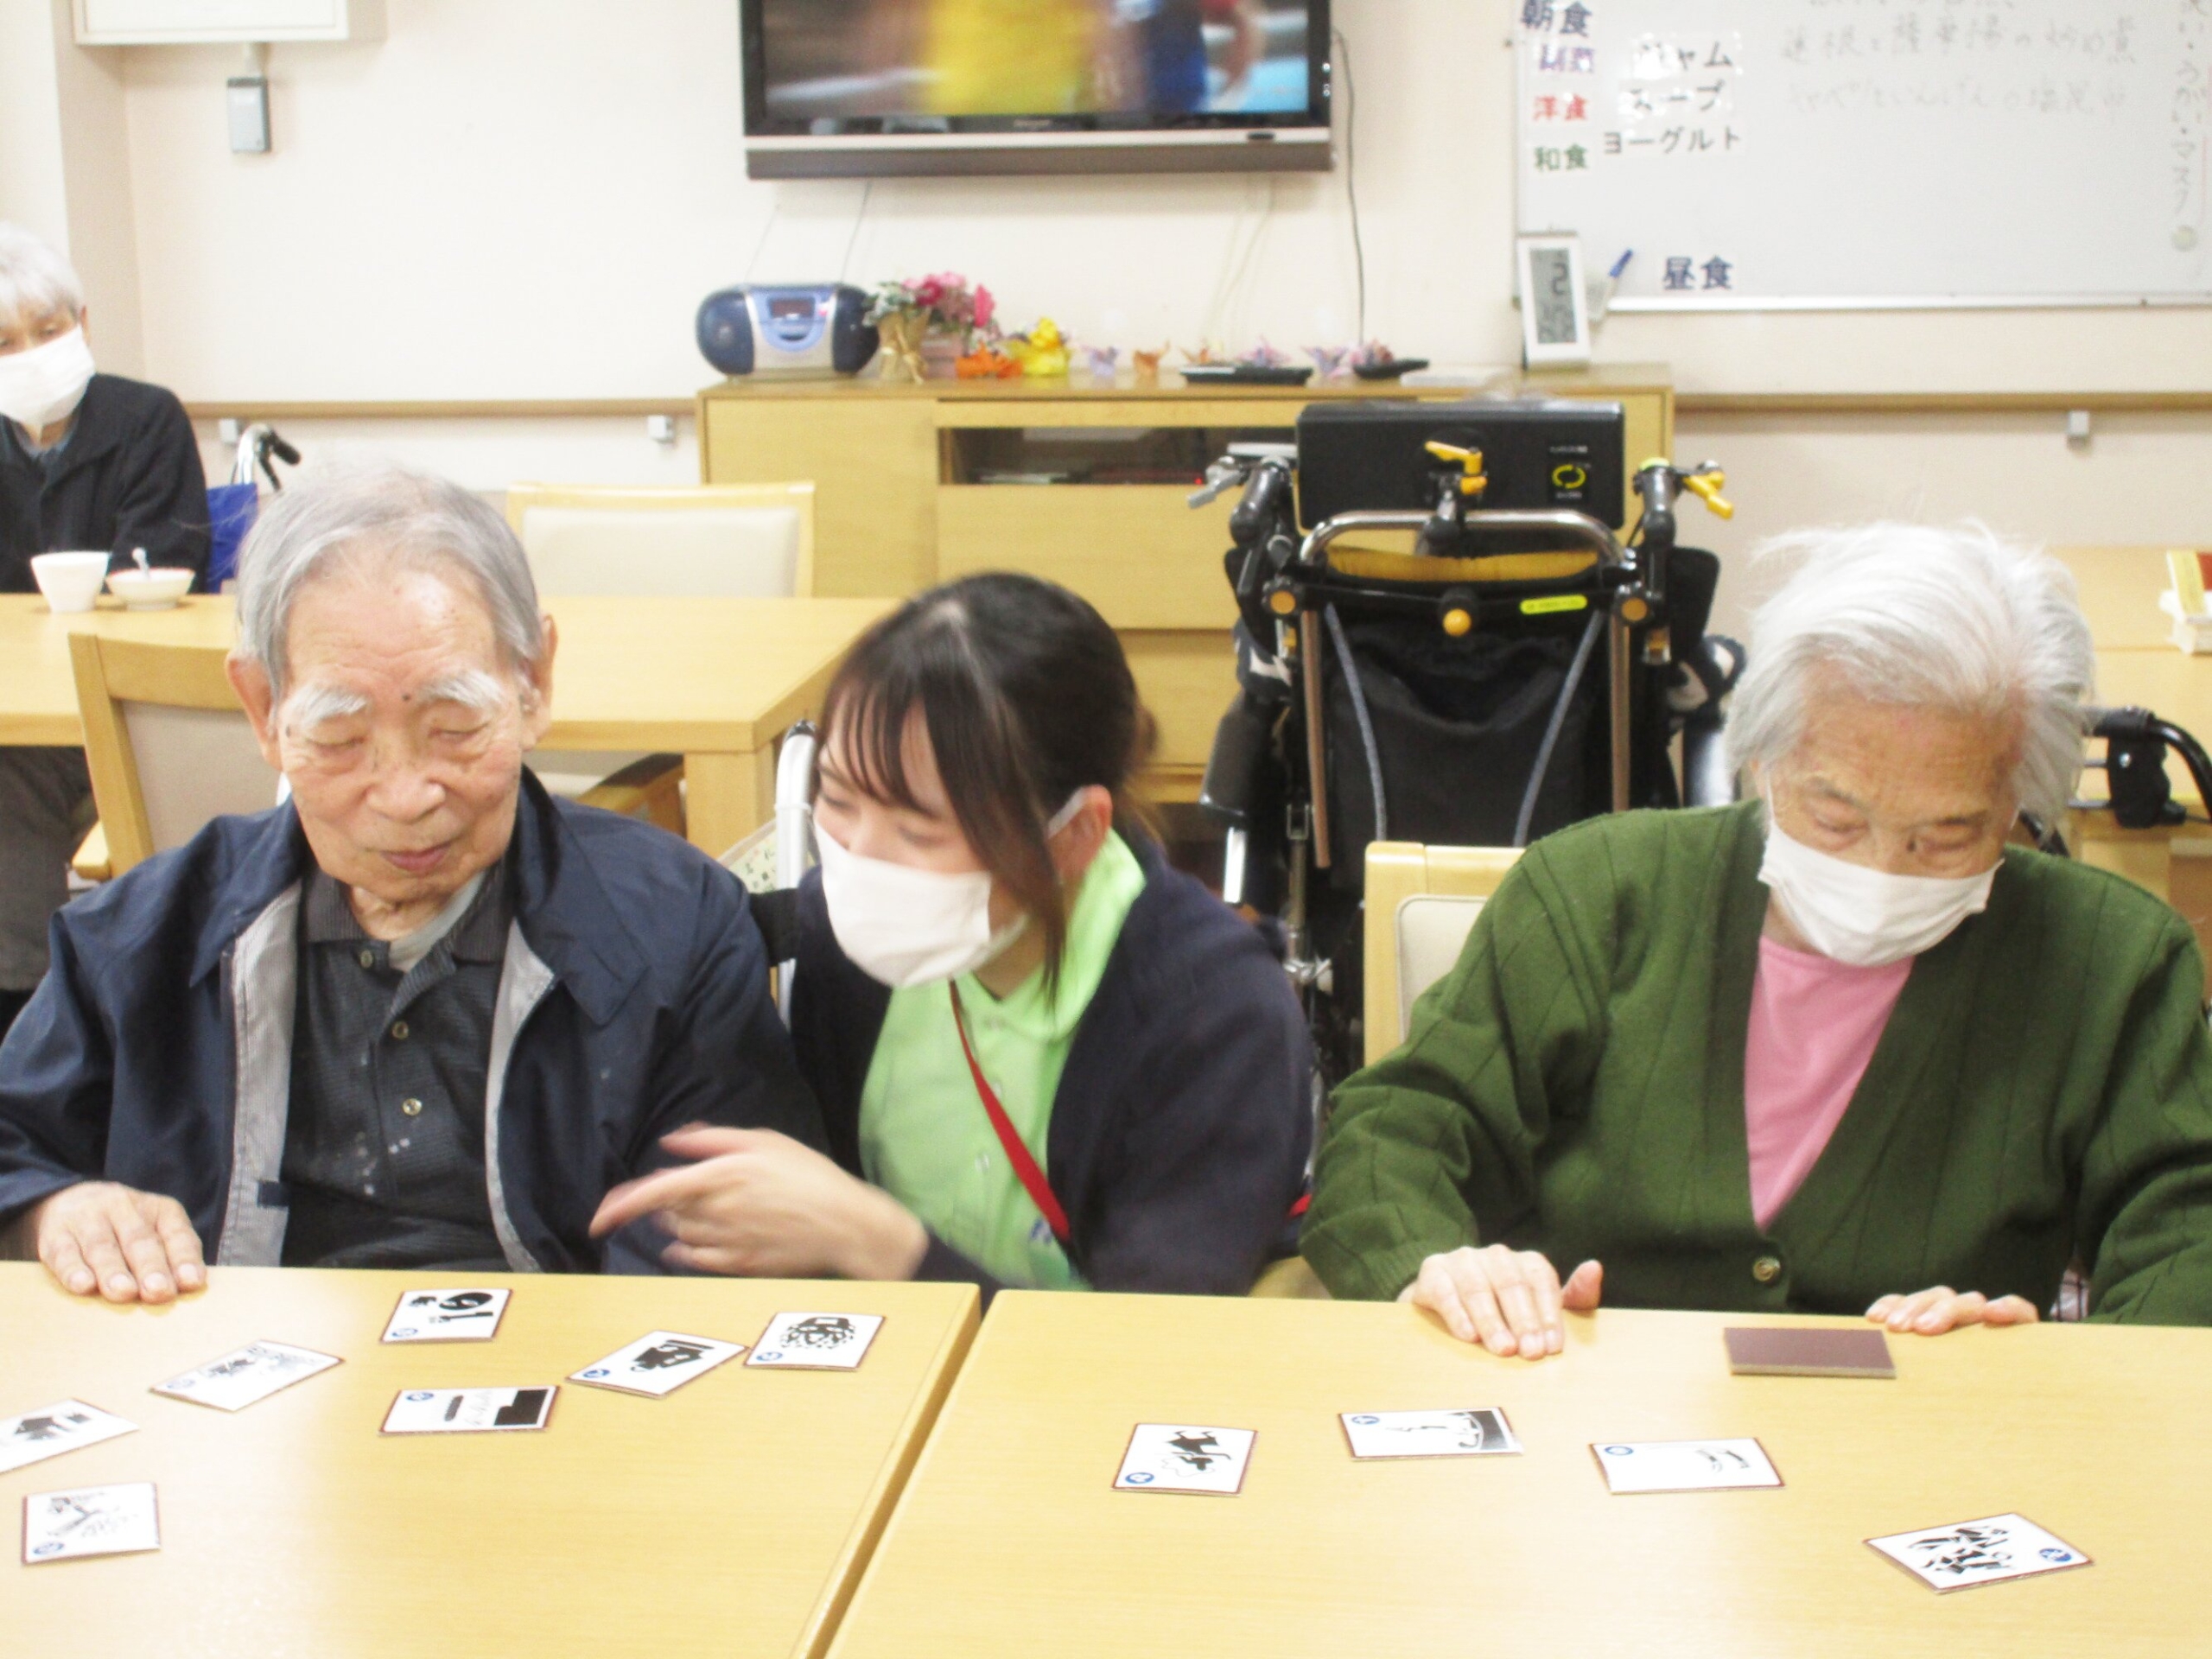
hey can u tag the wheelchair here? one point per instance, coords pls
(1520, 666)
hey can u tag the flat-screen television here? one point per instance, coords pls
(874, 87)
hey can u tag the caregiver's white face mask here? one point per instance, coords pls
(1865, 917)
(45, 384)
(904, 926)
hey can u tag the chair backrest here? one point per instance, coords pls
(167, 745)
(742, 541)
(1421, 903)
(2119, 588)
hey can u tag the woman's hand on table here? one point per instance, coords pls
(761, 1204)
(1931, 1312)
(1509, 1300)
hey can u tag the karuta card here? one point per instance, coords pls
(817, 1342)
(658, 1363)
(1988, 1550)
(1787, 1350)
(446, 1316)
(91, 1521)
(251, 1374)
(469, 1411)
(52, 1430)
(1684, 1466)
(1478, 1434)
(1171, 1458)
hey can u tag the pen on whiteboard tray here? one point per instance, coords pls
(1620, 265)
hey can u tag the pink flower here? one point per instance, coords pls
(929, 291)
(985, 306)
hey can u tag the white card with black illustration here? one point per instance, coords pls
(1482, 1433)
(469, 1411)
(91, 1521)
(817, 1342)
(1684, 1466)
(247, 1375)
(1175, 1457)
(657, 1363)
(1988, 1550)
(51, 1430)
(446, 1316)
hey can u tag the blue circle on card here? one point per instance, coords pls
(596, 1371)
(773, 1354)
(2057, 1555)
(44, 1549)
(1620, 1451)
(407, 1330)
(419, 1395)
(1367, 1419)
(1140, 1478)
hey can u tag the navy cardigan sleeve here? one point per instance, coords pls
(1179, 1136)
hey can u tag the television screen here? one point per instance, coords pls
(1243, 71)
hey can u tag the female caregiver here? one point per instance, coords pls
(1045, 1059)
(1837, 1048)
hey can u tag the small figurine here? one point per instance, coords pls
(1042, 352)
(986, 362)
(1209, 352)
(1145, 366)
(1102, 361)
(1264, 356)
(1331, 362)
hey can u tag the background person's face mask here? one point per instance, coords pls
(902, 926)
(46, 384)
(1865, 916)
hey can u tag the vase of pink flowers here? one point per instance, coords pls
(928, 323)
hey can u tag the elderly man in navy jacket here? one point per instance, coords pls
(423, 1015)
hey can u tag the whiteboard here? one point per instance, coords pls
(1773, 155)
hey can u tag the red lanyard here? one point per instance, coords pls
(1025, 1167)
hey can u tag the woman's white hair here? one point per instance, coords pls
(1957, 619)
(34, 277)
(345, 516)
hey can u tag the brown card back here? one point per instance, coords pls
(1796, 1351)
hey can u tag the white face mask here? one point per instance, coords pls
(1864, 917)
(46, 384)
(904, 926)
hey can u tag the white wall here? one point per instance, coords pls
(526, 198)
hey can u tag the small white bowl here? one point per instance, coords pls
(71, 582)
(158, 590)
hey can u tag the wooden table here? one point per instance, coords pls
(716, 680)
(1011, 1541)
(731, 1517)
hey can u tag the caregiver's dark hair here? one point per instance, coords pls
(1025, 696)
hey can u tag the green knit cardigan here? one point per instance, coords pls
(1575, 1085)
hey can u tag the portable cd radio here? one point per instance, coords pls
(815, 328)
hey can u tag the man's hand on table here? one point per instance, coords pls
(1509, 1300)
(1931, 1312)
(130, 1245)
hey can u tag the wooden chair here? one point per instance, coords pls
(720, 541)
(1420, 902)
(168, 748)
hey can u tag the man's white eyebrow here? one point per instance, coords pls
(471, 688)
(311, 705)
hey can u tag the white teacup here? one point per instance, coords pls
(158, 590)
(71, 582)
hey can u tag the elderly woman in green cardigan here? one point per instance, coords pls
(1839, 1047)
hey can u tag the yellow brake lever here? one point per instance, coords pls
(1472, 482)
(1708, 487)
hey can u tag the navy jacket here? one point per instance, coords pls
(129, 476)
(1179, 1135)
(633, 999)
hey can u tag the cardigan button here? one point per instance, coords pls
(1767, 1270)
(410, 1107)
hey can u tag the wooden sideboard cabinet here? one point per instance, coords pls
(1080, 483)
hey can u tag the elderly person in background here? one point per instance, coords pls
(1840, 1048)
(88, 461)
(422, 1015)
